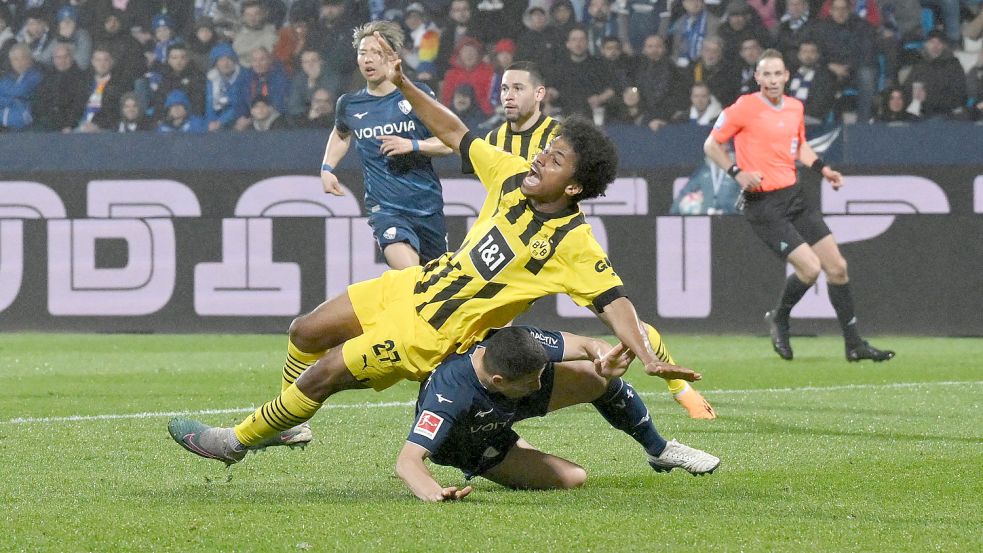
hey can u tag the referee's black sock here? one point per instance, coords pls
(842, 300)
(621, 406)
(791, 294)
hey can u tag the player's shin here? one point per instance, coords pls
(289, 409)
(624, 410)
(296, 363)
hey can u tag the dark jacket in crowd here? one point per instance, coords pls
(61, 99)
(945, 84)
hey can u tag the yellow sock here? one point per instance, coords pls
(289, 409)
(296, 363)
(662, 352)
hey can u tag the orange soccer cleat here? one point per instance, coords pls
(693, 402)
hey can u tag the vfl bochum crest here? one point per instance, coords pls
(405, 107)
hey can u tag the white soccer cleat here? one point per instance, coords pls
(692, 460)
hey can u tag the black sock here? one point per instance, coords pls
(842, 300)
(621, 406)
(791, 294)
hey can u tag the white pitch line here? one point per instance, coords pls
(385, 404)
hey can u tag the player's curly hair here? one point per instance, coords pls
(513, 353)
(597, 157)
(390, 31)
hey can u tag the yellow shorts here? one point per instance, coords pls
(395, 344)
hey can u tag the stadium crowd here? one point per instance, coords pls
(214, 65)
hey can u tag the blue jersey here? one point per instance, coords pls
(463, 424)
(405, 183)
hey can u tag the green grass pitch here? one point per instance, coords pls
(818, 455)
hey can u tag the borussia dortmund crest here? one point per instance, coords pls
(540, 248)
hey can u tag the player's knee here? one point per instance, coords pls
(808, 272)
(305, 335)
(836, 272)
(573, 477)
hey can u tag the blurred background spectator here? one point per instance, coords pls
(894, 107)
(61, 96)
(937, 84)
(67, 31)
(321, 113)
(132, 115)
(17, 90)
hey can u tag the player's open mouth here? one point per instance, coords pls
(532, 178)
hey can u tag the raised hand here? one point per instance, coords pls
(391, 59)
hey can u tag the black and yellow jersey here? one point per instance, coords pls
(512, 256)
(526, 144)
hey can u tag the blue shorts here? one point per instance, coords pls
(427, 234)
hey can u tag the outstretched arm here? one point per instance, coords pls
(620, 315)
(439, 119)
(397, 145)
(416, 475)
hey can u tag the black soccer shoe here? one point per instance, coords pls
(779, 336)
(864, 350)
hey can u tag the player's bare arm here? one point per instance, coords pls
(411, 469)
(334, 152)
(439, 119)
(609, 361)
(398, 145)
(621, 317)
(747, 180)
(808, 156)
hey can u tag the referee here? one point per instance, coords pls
(768, 129)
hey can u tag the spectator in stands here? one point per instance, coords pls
(104, 93)
(738, 26)
(225, 93)
(124, 49)
(767, 12)
(180, 74)
(291, 40)
(69, 33)
(638, 19)
(164, 37)
(332, 36)
(254, 31)
(579, 83)
(937, 83)
(561, 22)
(86, 14)
(973, 29)
(7, 38)
(265, 77)
(504, 56)
(459, 25)
(132, 116)
(618, 65)
(750, 52)
(974, 88)
(311, 77)
(467, 67)
(796, 23)
(61, 96)
(223, 13)
(17, 90)
(463, 105)
(724, 79)
(493, 19)
(321, 113)
(601, 23)
(631, 110)
(35, 33)
(264, 117)
(178, 117)
(659, 80)
(812, 83)
(420, 51)
(894, 107)
(847, 44)
(537, 42)
(201, 42)
(690, 30)
(703, 107)
(949, 9)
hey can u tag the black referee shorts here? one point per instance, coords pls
(783, 219)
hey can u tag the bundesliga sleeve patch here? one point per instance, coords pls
(428, 424)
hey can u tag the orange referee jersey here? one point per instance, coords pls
(766, 137)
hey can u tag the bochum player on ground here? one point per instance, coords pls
(402, 192)
(530, 241)
(466, 409)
